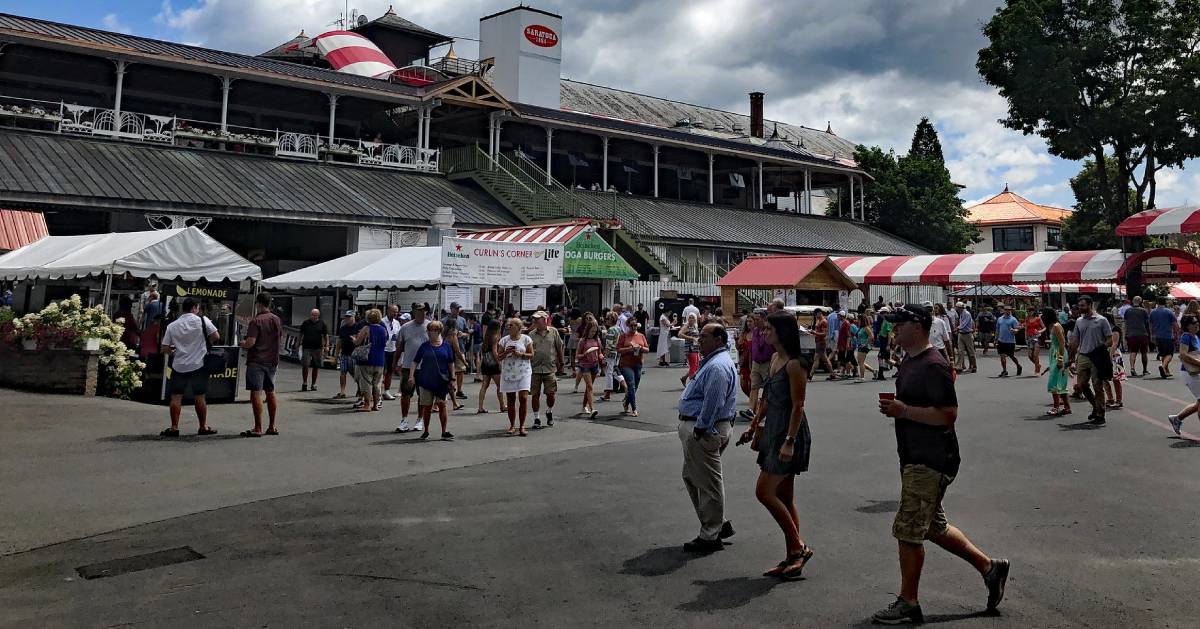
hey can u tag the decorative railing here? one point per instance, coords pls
(73, 119)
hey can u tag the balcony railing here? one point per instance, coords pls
(72, 119)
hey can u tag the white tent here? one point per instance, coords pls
(188, 254)
(403, 268)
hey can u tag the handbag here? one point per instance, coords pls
(213, 363)
(488, 361)
(362, 353)
(445, 376)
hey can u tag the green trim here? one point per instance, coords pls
(588, 256)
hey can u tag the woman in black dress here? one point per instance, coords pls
(780, 434)
(489, 367)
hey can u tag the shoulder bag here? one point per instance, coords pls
(362, 353)
(444, 375)
(213, 363)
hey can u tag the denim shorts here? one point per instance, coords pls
(260, 377)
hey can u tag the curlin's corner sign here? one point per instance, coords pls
(543, 36)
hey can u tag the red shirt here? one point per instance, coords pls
(632, 359)
(843, 341)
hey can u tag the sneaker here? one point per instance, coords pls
(549, 419)
(1003, 374)
(460, 395)
(899, 613)
(726, 530)
(420, 425)
(387, 395)
(1162, 373)
(746, 413)
(403, 427)
(1098, 420)
(447, 437)
(303, 388)
(1018, 369)
(700, 545)
(312, 388)
(995, 580)
(537, 424)
(1176, 423)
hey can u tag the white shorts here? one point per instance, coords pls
(1193, 384)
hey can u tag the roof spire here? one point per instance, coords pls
(450, 54)
(829, 127)
(390, 11)
(1005, 187)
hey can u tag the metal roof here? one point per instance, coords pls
(661, 112)
(393, 21)
(19, 228)
(93, 38)
(53, 171)
(699, 223)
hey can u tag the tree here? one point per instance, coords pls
(925, 143)
(1099, 79)
(912, 197)
(1088, 227)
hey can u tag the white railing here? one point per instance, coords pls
(126, 125)
(302, 145)
(396, 156)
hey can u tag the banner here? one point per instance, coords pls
(588, 256)
(502, 264)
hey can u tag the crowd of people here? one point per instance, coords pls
(925, 347)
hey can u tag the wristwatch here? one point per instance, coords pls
(789, 439)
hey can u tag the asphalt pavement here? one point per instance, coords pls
(339, 522)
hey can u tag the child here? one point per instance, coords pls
(1115, 400)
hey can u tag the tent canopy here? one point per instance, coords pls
(1023, 267)
(787, 271)
(403, 268)
(188, 254)
(586, 254)
(1162, 221)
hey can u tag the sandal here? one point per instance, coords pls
(272, 432)
(205, 431)
(522, 434)
(482, 411)
(340, 396)
(510, 432)
(251, 433)
(793, 572)
(778, 569)
(170, 432)
(1054, 412)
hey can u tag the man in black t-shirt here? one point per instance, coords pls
(314, 338)
(346, 333)
(925, 408)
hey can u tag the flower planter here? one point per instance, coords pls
(74, 372)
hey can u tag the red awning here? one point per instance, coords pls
(19, 228)
(1025, 267)
(1185, 290)
(1160, 221)
(771, 271)
(556, 233)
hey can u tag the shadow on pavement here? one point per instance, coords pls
(373, 433)
(657, 562)
(729, 593)
(879, 506)
(1184, 443)
(1087, 425)
(933, 619)
(184, 437)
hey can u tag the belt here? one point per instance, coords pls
(688, 418)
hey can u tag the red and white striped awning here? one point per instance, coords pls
(1157, 222)
(1107, 289)
(557, 233)
(1024, 267)
(1185, 290)
(350, 53)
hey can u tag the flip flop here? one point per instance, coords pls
(206, 431)
(170, 432)
(522, 434)
(272, 432)
(251, 433)
(482, 411)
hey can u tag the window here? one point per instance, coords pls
(1053, 238)
(1012, 239)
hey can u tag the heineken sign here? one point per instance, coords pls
(588, 256)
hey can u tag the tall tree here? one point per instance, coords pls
(1101, 78)
(925, 143)
(1088, 227)
(913, 198)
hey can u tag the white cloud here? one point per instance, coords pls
(111, 23)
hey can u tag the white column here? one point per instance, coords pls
(710, 178)
(656, 149)
(851, 197)
(862, 201)
(120, 88)
(333, 99)
(604, 177)
(420, 131)
(428, 127)
(226, 85)
(549, 153)
(491, 135)
(808, 191)
(762, 198)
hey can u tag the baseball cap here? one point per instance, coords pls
(911, 312)
(960, 305)
(348, 313)
(541, 314)
(454, 304)
(406, 317)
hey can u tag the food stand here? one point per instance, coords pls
(185, 262)
(797, 279)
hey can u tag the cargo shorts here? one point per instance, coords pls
(544, 383)
(920, 515)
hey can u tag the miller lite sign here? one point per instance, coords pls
(543, 36)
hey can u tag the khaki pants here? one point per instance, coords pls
(702, 475)
(964, 350)
(1088, 380)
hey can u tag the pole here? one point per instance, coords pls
(808, 191)
(761, 196)
(108, 286)
(120, 90)
(604, 175)
(226, 85)
(656, 149)
(549, 152)
(710, 178)
(333, 99)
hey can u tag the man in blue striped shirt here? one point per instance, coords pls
(706, 411)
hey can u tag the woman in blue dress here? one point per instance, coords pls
(432, 372)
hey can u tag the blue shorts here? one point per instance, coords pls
(346, 364)
(260, 377)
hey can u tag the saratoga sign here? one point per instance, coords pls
(504, 264)
(543, 36)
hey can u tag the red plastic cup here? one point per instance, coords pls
(886, 396)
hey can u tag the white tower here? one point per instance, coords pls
(527, 46)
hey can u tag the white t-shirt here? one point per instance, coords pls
(184, 335)
(622, 322)
(414, 335)
(939, 333)
(393, 331)
(690, 310)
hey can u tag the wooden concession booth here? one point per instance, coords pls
(797, 279)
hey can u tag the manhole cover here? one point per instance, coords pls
(138, 562)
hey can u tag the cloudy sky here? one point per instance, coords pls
(872, 68)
